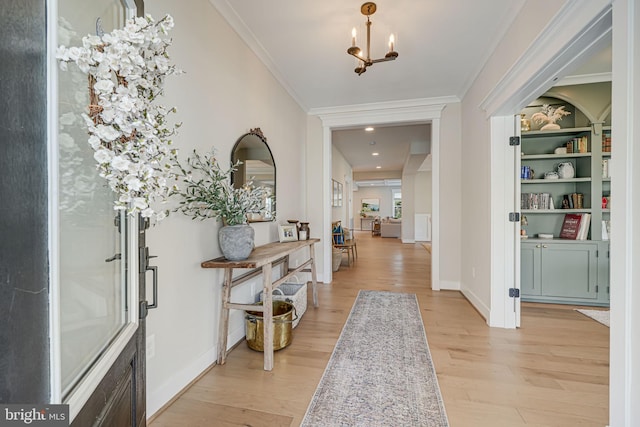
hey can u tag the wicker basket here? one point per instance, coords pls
(293, 292)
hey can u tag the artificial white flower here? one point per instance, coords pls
(102, 155)
(104, 85)
(130, 134)
(119, 163)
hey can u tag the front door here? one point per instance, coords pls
(99, 327)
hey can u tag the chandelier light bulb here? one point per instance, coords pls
(353, 37)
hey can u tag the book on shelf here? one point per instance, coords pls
(606, 229)
(575, 226)
(536, 201)
(573, 201)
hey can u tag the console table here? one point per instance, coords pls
(261, 261)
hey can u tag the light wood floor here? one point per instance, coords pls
(553, 371)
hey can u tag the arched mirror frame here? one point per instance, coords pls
(238, 177)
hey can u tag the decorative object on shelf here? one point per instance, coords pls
(550, 115)
(527, 173)
(566, 170)
(545, 236)
(368, 9)
(551, 175)
(128, 131)
(208, 193)
(525, 124)
(560, 150)
(288, 233)
(303, 233)
(523, 222)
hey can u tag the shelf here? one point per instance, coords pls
(554, 181)
(554, 211)
(554, 240)
(606, 210)
(554, 156)
(606, 154)
(606, 179)
(555, 132)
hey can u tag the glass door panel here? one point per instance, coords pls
(92, 236)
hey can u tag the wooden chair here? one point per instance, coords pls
(375, 227)
(345, 241)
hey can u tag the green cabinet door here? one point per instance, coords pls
(569, 270)
(530, 283)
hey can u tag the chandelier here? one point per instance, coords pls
(368, 9)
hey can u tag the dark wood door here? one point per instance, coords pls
(120, 398)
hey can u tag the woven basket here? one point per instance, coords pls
(292, 292)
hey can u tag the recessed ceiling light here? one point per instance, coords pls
(375, 154)
(378, 167)
(372, 143)
(369, 129)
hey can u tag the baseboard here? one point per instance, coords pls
(449, 285)
(476, 302)
(408, 241)
(178, 383)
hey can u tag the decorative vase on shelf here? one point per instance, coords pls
(303, 231)
(236, 241)
(525, 124)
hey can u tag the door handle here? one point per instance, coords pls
(154, 270)
(113, 258)
(144, 267)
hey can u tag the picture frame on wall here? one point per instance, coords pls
(370, 205)
(336, 194)
(288, 233)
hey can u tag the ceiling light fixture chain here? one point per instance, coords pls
(368, 9)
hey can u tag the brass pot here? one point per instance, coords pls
(283, 316)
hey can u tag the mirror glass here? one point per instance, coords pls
(257, 167)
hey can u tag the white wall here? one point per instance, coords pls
(226, 91)
(341, 171)
(476, 164)
(450, 197)
(423, 182)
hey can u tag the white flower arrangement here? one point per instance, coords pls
(128, 131)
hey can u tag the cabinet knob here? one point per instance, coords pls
(545, 246)
(538, 246)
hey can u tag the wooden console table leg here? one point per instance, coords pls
(223, 327)
(314, 281)
(267, 317)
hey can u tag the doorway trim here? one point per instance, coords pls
(415, 111)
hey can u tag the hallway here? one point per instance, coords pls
(554, 371)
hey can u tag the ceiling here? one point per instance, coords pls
(442, 45)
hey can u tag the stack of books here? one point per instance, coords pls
(536, 201)
(573, 201)
(575, 226)
(578, 145)
(606, 141)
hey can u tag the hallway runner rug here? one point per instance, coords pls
(601, 316)
(380, 372)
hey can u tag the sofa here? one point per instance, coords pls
(391, 228)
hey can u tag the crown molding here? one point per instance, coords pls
(585, 79)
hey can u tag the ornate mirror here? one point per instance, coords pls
(258, 168)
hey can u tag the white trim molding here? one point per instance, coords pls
(624, 391)
(543, 64)
(395, 112)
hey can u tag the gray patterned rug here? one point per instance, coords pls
(380, 372)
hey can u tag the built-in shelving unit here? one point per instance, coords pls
(561, 270)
